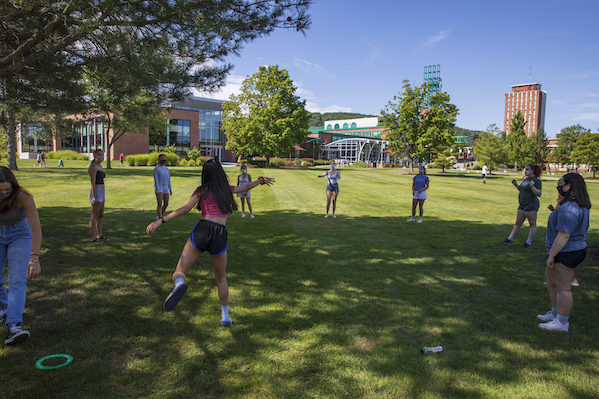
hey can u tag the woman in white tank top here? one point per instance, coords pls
(243, 179)
(333, 177)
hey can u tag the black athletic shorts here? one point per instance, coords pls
(571, 259)
(209, 236)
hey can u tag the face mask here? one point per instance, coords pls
(5, 195)
(243, 171)
(162, 161)
(560, 190)
(101, 158)
(332, 166)
(421, 171)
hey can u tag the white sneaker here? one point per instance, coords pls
(411, 219)
(549, 316)
(334, 217)
(555, 326)
(252, 216)
(243, 215)
(419, 220)
(326, 216)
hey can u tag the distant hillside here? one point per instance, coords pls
(317, 119)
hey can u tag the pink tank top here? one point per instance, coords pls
(210, 207)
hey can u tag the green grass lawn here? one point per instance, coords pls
(322, 308)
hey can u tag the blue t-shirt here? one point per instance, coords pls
(420, 182)
(569, 218)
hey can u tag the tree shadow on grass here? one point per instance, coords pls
(321, 308)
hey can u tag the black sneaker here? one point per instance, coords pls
(174, 297)
(507, 241)
(526, 245)
(15, 335)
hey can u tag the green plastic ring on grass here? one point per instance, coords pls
(40, 366)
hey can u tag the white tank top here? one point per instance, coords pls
(333, 179)
(243, 181)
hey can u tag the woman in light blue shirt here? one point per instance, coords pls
(162, 186)
(419, 187)
(566, 248)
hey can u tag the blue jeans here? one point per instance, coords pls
(15, 244)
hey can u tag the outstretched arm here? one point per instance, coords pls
(193, 201)
(261, 180)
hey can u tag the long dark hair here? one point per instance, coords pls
(6, 176)
(216, 182)
(578, 190)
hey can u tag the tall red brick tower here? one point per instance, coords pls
(529, 99)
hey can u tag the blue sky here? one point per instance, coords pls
(357, 53)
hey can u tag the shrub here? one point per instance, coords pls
(320, 162)
(201, 160)
(65, 154)
(142, 159)
(358, 165)
(277, 162)
(183, 162)
(172, 159)
(153, 158)
(81, 158)
(130, 159)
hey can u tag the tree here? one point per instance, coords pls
(566, 140)
(266, 118)
(491, 148)
(536, 149)
(516, 140)
(586, 150)
(44, 46)
(445, 159)
(419, 125)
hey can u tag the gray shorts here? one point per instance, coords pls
(100, 194)
(245, 194)
(162, 189)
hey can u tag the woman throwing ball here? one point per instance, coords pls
(333, 177)
(419, 187)
(214, 198)
(530, 190)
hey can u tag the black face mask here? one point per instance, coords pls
(560, 190)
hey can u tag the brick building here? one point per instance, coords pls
(192, 123)
(530, 100)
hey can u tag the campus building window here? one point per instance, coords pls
(336, 126)
(347, 133)
(33, 138)
(376, 134)
(329, 127)
(366, 133)
(353, 125)
(178, 134)
(357, 134)
(85, 137)
(345, 125)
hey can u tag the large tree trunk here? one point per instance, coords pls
(11, 157)
(411, 165)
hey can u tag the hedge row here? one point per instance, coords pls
(151, 159)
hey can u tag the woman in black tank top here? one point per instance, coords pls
(96, 196)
